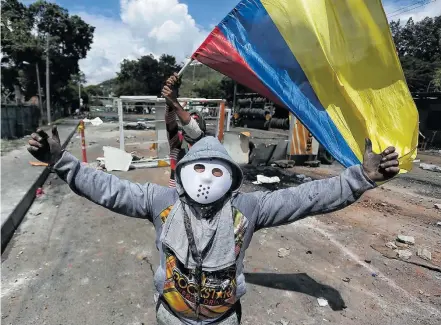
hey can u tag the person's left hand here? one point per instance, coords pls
(170, 90)
(380, 167)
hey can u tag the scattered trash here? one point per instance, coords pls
(346, 280)
(437, 206)
(283, 252)
(312, 163)
(404, 254)
(266, 180)
(130, 136)
(417, 161)
(39, 192)
(285, 163)
(368, 261)
(406, 239)
(322, 302)
(38, 163)
(308, 252)
(300, 176)
(307, 179)
(391, 245)
(374, 274)
(438, 223)
(117, 159)
(140, 125)
(95, 122)
(431, 167)
(425, 254)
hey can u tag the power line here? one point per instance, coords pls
(405, 7)
(410, 8)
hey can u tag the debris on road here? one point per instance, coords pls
(137, 126)
(431, 167)
(95, 122)
(437, 206)
(284, 322)
(347, 280)
(39, 192)
(312, 163)
(285, 163)
(417, 161)
(283, 252)
(391, 245)
(404, 254)
(322, 302)
(424, 253)
(438, 223)
(406, 239)
(368, 261)
(38, 163)
(266, 180)
(117, 159)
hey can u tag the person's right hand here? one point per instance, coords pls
(170, 90)
(45, 149)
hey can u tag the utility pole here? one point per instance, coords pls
(79, 94)
(48, 92)
(40, 102)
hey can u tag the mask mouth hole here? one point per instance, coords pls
(217, 172)
(199, 168)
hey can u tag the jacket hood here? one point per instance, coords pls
(207, 148)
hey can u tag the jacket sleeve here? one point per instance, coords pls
(317, 197)
(121, 196)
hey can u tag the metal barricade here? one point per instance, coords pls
(152, 103)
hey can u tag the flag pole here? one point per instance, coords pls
(186, 64)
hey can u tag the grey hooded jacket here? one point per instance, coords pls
(251, 212)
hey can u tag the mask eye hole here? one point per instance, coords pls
(217, 172)
(199, 168)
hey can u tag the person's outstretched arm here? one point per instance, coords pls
(317, 197)
(122, 196)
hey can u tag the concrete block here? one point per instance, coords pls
(262, 154)
(237, 146)
(279, 152)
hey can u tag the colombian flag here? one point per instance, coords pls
(332, 63)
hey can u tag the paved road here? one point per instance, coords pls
(72, 262)
(17, 174)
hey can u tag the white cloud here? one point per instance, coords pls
(144, 27)
(431, 9)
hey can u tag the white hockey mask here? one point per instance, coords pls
(206, 181)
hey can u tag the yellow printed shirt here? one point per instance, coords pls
(218, 292)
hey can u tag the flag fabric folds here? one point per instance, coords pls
(332, 63)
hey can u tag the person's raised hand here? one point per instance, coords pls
(44, 148)
(380, 167)
(170, 90)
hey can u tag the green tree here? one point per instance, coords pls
(144, 76)
(25, 31)
(419, 49)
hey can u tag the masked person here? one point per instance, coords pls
(193, 126)
(204, 225)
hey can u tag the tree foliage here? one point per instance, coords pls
(419, 47)
(25, 31)
(145, 76)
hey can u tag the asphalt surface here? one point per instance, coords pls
(72, 262)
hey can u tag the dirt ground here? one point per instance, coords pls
(72, 262)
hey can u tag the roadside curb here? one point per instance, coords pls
(14, 219)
